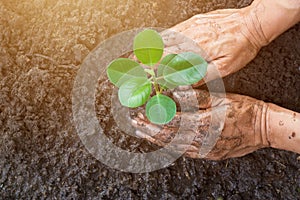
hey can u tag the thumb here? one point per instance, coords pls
(195, 99)
(215, 70)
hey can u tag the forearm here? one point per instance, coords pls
(283, 128)
(276, 16)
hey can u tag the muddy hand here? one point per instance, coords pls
(237, 134)
(229, 38)
(249, 125)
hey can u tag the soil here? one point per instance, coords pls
(43, 43)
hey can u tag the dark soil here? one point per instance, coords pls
(42, 44)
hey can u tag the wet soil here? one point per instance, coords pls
(43, 43)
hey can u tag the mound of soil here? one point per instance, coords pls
(43, 43)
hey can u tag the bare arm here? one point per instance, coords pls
(270, 18)
(249, 125)
(283, 128)
(231, 38)
(275, 16)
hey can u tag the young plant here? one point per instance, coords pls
(136, 80)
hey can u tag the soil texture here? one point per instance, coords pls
(43, 43)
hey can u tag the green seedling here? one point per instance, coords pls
(136, 79)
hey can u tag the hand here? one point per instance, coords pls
(230, 38)
(242, 132)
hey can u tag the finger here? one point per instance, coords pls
(172, 37)
(149, 138)
(183, 88)
(182, 149)
(177, 42)
(212, 99)
(145, 127)
(218, 67)
(187, 99)
(216, 14)
(204, 98)
(193, 99)
(191, 154)
(195, 154)
(155, 133)
(164, 136)
(188, 45)
(215, 70)
(185, 148)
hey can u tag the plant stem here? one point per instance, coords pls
(156, 87)
(161, 89)
(155, 84)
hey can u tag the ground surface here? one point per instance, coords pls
(42, 44)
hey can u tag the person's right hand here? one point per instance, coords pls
(230, 38)
(217, 127)
(232, 132)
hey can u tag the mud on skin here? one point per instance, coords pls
(42, 44)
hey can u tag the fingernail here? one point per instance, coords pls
(183, 88)
(134, 122)
(140, 134)
(141, 116)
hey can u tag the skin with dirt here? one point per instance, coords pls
(42, 44)
(242, 130)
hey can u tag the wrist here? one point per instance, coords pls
(275, 16)
(282, 128)
(252, 28)
(260, 125)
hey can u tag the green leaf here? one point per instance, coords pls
(160, 76)
(135, 92)
(160, 109)
(184, 69)
(148, 47)
(123, 69)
